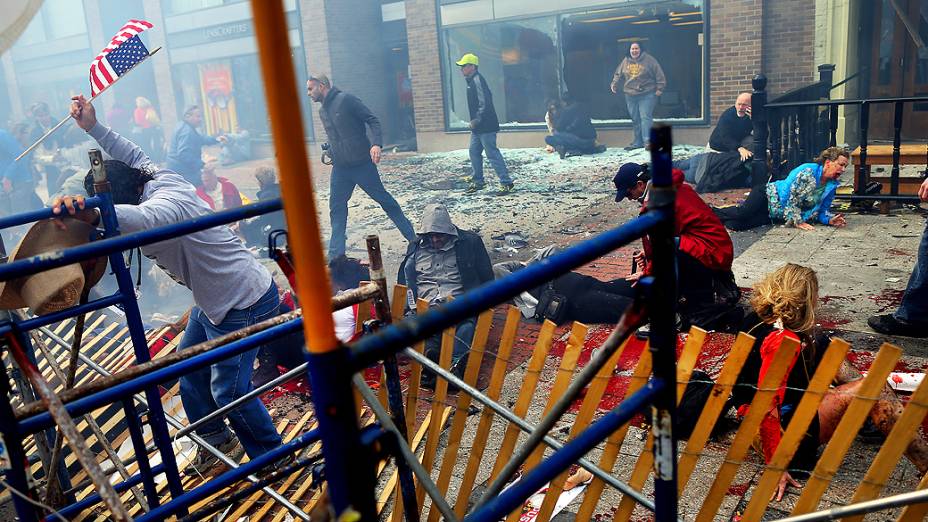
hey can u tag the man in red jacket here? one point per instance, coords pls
(706, 285)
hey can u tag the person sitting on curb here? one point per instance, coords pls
(206, 262)
(218, 192)
(708, 295)
(800, 200)
(443, 264)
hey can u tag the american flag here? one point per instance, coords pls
(123, 52)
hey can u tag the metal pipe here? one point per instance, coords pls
(351, 480)
(138, 383)
(13, 439)
(425, 479)
(394, 386)
(56, 317)
(897, 144)
(862, 508)
(228, 478)
(662, 302)
(863, 170)
(95, 249)
(631, 319)
(880, 197)
(174, 422)
(503, 504)
(370, 349)
(93, 498)
(295, 372)
(855, 101)
(526, 427)
(69, 431)
(343, 300)
(42, 213)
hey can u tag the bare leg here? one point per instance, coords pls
(884, 415)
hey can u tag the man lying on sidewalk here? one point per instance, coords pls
(205, 262)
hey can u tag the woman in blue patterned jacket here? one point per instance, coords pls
(800, 200)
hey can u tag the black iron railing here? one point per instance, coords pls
(795, 127)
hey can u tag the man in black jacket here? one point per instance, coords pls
(354, 159)
(483, 127)
(443, 264)
(733, 128)
(572, 130)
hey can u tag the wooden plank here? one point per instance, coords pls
(846, 431)
(614, 443)
(710, 413)
(905, 429)
(916, 512)
(392, 486)
(471, 372)
(285, 485)
(438, 403)
(565, 373)
(581, 421)
(806, 411)
(412, 390)
(364, 313)
(776, 373)
(642, 470)
(529, 383)
(510, 329)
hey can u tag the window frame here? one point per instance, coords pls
(704, 121)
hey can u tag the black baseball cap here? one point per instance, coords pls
(627, 177)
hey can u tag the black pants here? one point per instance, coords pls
(752, 213)
(598, 301)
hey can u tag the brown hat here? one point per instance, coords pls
(58, 288)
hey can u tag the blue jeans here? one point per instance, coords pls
(686, 165)
(914, 307)
(208, 389)
(641, 109)
(570, 142)
(487, 142)
(341, 186)
(463, 335)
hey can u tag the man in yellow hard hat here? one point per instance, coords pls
(483, 126)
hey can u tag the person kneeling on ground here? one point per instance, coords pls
(708, 295)
(442, 265)
(147, 197)
(800, 200)
(571, 297)
(572, 132)
(784, 304)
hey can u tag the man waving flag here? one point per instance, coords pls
(124, 51)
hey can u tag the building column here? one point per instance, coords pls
(161, 62)
(316, 50)
(425, 67)
(836, 42)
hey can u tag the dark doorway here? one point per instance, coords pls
(898, 64)
(400, 122)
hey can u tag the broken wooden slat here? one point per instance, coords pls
(763, 398)
(529, 383)
(581, 421)
(642, 470)
(565, 373)
(471, 372)
(916, 512)
(614, 443)
(806, 411)
(289, 480)
(438, 400)
(904, 430)
(513, 316)
(846, 431)
(713, 408)
(393, 482)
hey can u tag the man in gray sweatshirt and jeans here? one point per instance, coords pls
(205, 262)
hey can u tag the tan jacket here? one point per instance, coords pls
(642, 76)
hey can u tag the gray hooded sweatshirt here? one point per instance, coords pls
(439, 278)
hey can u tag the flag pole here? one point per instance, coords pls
(94, 97)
